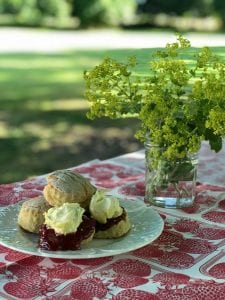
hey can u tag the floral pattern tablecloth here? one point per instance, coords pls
(187, 261)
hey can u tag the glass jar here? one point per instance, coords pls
(169, 183)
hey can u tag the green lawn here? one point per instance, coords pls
(43, 124)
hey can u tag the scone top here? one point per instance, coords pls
(68, 186)
(66, 181)
(103, 206)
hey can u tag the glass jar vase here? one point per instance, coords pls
(169, 183)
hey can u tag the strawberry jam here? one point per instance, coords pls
(50, 240)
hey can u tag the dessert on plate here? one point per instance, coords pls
(65, 186)
(72, 212)
(31, 213)
(111, 219)
(66, 228)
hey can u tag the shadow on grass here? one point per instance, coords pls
(31, 155)
(43, 124)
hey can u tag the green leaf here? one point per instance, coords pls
(215, 141)
(182, 171)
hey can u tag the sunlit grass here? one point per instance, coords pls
(58, 104)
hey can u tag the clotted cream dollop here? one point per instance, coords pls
(103, 207)
(64, 219)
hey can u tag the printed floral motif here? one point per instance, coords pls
(196, 246)
(135, 295)
(136, 189)
(199, 290)
(192, 209)
(26, 290)
(148, 252)
(210, 233)
(88, 289)
(222, 204)
(186, 225)
(23, 258)
(201, 187)
(109, 175)
(131, 267)
(171, 279)
(215, 216)
(64, 271)
(29, 282)
(12, 193)
(218, 271)
(177, 260)
(124, 281)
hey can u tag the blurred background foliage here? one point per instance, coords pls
(43, 124)
(189, 14)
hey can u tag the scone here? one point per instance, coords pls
(66, 228)
(111, 219)
(31, 214)
(65, 186)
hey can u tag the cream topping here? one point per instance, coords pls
(64, 219)
(103, 207)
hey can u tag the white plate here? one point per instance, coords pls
(147, 225)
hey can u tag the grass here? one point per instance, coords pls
(43, 124)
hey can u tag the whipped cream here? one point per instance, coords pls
(64, 219)
(103, 207)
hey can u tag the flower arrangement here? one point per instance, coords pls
(178, 105)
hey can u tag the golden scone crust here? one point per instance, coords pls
(68, 186)
(31, 214)
(115, 231)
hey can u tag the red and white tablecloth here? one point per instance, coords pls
(187, 262)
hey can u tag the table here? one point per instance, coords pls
(187, 261)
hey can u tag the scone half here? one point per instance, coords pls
(114, 228)
(31, 214)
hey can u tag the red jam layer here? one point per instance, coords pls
(50, 240)
(110, 222)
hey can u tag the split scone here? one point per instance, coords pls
(66, 228)
(65, 186)
(31, 214)
(111, 219)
